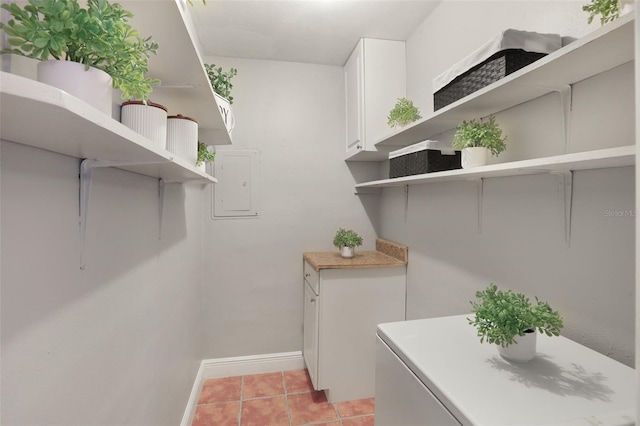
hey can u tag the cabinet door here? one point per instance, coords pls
(353, 86)
(310, 344)
(402, 399)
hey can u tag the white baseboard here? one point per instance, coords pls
(192, 403)
(238, 366)
(253, 364)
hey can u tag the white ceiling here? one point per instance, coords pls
(311, 31)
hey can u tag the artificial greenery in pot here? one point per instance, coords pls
(98, 36)
(481, 133)
(347, 240)
(204, 155)
(221, 80)
(403, 113)
(502, 316)
(609, 10)
(476, 138)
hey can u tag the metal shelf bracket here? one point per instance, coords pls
(480, 188)
(87, 167)
(565, 195)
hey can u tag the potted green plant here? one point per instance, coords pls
(477, 139)
(204, 155)
(403, 113)
(609, 10)
(97, 36)
(347, 240)
(221, 83)
(509, 320)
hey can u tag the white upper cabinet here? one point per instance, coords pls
(375, 77)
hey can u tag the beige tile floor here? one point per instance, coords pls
(275, 399)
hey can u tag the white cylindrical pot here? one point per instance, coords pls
(227, 113)
(474, 157)
(92, 86)
(523, 350)
(149, 120)
(347, 252)
(182, 137)
(202, 167)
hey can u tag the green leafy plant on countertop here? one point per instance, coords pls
(98, 36)
(221, 80)
(403, 113)
(347, 238)
(480, 133)
(609, 10)
(204, 155)
(500, 316)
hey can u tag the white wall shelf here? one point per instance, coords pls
(597, 52)
(185, 87)
(42, 116)
(598, 159)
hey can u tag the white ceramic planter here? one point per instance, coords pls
(93, 86)
(182, 137)
(227, 113)
(474, 157)
(523, 350)
(149, 120)
(347, 252)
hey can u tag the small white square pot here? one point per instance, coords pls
(182, 137)
(149, 120)
(92, 86)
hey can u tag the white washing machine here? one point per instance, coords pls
(436, 372)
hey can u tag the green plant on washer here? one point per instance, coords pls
(98, 36)
(403, 113)
(608, 10)
(480, 133)
(500, 316)
(221, 80)
(204, 155)
(347, 238)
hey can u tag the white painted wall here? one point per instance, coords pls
(294, 114)
(637, 40)
(117, 343)
(521, 244)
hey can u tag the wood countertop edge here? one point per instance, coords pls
(365, 259)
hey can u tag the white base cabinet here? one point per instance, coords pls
(436, 372)
(342, 309)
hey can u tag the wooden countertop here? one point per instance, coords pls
(387, 254)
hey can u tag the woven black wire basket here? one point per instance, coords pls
(425, 161)
(491, 70)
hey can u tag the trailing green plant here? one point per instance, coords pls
(608, 10)
(221, 80)
(500, 316)
(403, 113)
(480, 133)
(99, 36)
(347, 238)
(204, 155)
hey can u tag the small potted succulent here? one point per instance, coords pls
(477, 139)
(97, 39)
(221, 83)
(403, 113)
(347, 240)
(509, 320)
(204, 156)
